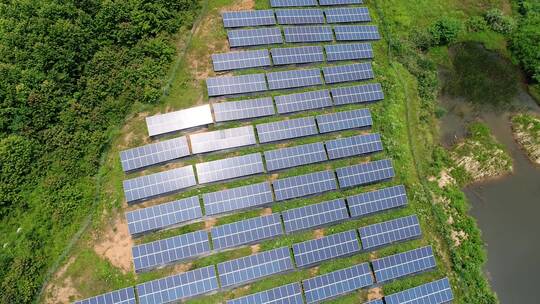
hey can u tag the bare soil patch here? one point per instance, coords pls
(115, 245)
(63, 288)
(375, 293)
(318, 233)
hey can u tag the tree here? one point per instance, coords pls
(445, 30)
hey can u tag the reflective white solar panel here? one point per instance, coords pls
(348, 51)
(337, 283)
(357, 94)
(350, 72)
(294, 156)
(260, 36)
(248, 18)
(366, 173)
(377, 201)
(236, 84)
(329, 247)
(303, 185)
(303, 101)
(403, 264)
(339, 2)
(222, 139)
(178, 287)
(255, 266)
(344, 120)
(347, 14)
(179, 120)
(229, 168)
(246, 231)
(162, 252)
(241, 60)
(356, 32)
(244, 109)
(294, 79)
(286, 294)
(121, 296)
(152, 154)
(386, 233)
(286, 129)
(300, 16)
(237, 198)
(354, 146)
(165, 182)
(163, 215)
(314, 215)
(297, 55)
(436, 292)
(308, 33)
(290, 3)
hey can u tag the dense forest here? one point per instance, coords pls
(71, 70)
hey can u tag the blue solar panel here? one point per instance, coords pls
(352, 51)
(436, 292)
(303, 101)
(236, 84)
(248, 18)
(403, 264)
(290, 3)
(286, 294)
(357, 94)
(121, 296)
(339, 2)
(152, 154)
(308, 33)
(294, 79)
(337, 283)
(377, 201)
(260, 36)
(344, 120)
(246, 231)
(377, 301)
(300, 16)
(386, 233)
(303, 185)
(356, 32)
(244, 109)
(286, 129)
(162, 252)
(294, 156)
(347, 14)
(297, 55)
(222, 139)
(314, 215)
(350, 72)
(354, 146)
(366, 173)
(241, 60)
(253, 267)
(228, 168)
(329, 247)
(163, 215)
(237, 198)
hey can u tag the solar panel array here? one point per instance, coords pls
(436, 292)
(237, 198)
(333, 246)
(349, 51)
(347, 14)
(303, 185)
(294, 79)
(237, 110)
(286, 294)
(290, 3)
(286, 129)
(339, 2)
(375, 201)
(295, 156)
(222, 139)
(303, 101)
(297, 55)
(377, 301)
(356, 32)
(366, 173)
(357, 94)
(152, 154)
(354, 145)
(315, 215)
(246, 231)
(250, 37)
(229, 168)
(403, 264)
(300, 16)
(248, 18)
(121, 296)
(236, 84)
(344, 120)
(179, 120)
(295, 34)
(350, 72)
(389, 232)
(241, 60)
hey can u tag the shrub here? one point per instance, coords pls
(445, 31)
(476, 24)
(499, 22)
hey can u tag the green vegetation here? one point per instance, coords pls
(526, 129)
(525, 41)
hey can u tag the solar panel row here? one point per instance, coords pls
(222, 139)
(152, 154)
(121, 296)
(333, 246)
(403, 264)
(246, 18)
(436, 292)
(179, 120)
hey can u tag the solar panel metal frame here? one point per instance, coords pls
(253, 267)
(239, 198)
(178, 287)
(223, 139)
(286, 294)
(294, 79)
(339, 2)
(366, 173)
(233, 19)
(315, 215)
(347, 14)
(163, 215)
(286, 129)
(170, 250)
(153, 154)
(346, 120)
(356, 32)
(246, 232)
(348, 73)
(389, 232)
(121, 296)
(295, 34)
(229, 168)
(292, 3)
(403, 264)
(252, 37)
(354, 146)
(357, 94)
(299, 16)
(294, 156)
(304, 185)
(348, 51)
(368, 203)
(303, 101)
(179, 120)
(297, 55)
(161, 183)
(243, 109)
(241, 60)
(316, 251)
(231, 85)
(436, 292)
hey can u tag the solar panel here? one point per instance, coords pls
(314, 215)
(121, 296)
(350, 72)
(303, 185)
(286, 294)
(354, 145)
(178, 287)
(356, 32)
(303, 101)
(297, 55)
(337, 283)
(300, 16)
(294, 79)
(294, 156)
(403, 264)
(228, 168)
(330, 247)
(260, 36)
(348, 51)
(236, 84)
(246, 231)
(377, 201)
(385, 233)
(308, 33)
(286, 129)
(163, 215)
(160, 183)
(152, 154)
(366, 173)
(436, 292)
(179, 120)
(377, 301)
(344, 120)
(222, 139)
(248, 18)
(289, 3)
(170, 250)
(244, 109)
(357, 94)
(339, 2)
(237, 198)
(255, 266)
(241, 60)
(347, 14)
